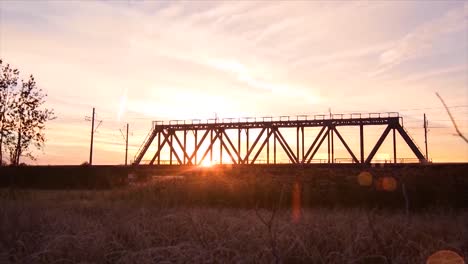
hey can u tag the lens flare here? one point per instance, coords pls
(364, 178)
(445, 257)
(296, 202)
(388, 184)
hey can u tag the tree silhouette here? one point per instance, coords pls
(8, 82)
(23, 118)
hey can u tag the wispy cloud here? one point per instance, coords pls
(191, 59)
(420, 41)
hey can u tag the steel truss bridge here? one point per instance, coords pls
(172, 135)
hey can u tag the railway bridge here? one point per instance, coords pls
(243, 140)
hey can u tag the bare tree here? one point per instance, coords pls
(23, 116)
(8, 83)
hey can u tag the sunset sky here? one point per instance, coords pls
(140, 61)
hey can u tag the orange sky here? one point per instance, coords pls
(142, 61)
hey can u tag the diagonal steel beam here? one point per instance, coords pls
(221, 133)
(261, 147)
(286, 146)
(158, 152)
(180, 145)
(346, 145)
(253, 145)
(378, 144)
(197, 147)
(325, 135)
(171, 143)
(232, 145)
(410, 143)
(209, 148)
(313, 144)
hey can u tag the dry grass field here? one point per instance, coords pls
(213, 220)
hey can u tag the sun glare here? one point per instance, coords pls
(206, 163)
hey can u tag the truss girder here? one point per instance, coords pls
(268, 131)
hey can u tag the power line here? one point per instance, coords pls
(430, 108)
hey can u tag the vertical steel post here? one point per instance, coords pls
(211, 146)
(170, 145)
(247, 149)
(361, 128)
(195, 147)
(394, 146)
(274, 148)
(268, 146)
(328, 139)
(297, 142)
(159, 146)
(220, 146)
(332, 147)
(239, 136)
(303, 154)
(185, 145)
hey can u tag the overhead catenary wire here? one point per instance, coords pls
(451, 117)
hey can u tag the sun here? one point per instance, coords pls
(206, 163)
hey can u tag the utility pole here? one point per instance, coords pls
(126, 144)
(425, 135)
(92, 138)
(87, 118)
(126, 147)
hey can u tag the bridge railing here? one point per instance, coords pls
(344, 160)
(229, 120)
(145, 141)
